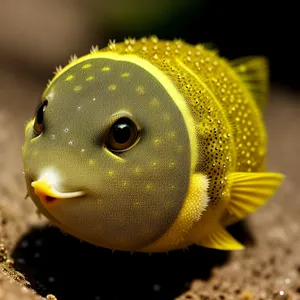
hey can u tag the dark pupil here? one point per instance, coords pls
(40, 112)
(121, 133)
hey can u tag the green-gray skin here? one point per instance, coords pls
(131, 198)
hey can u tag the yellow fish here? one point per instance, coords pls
(151, 145)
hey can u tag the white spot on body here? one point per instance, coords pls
(89, 78)
(172, 187)
(70, 143)
(77, 88)
(154, 164)
(172, 164)
(154, 102)
(50, 96)
(157, 141)
(91, 162)
(112, 87)
(140, 90)
(149, 186)
(66, 130)
(171, 134)
(86, 66)
(69, 78)
(111, 172)
(138, 170)
(125, 75)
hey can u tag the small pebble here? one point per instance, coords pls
(51, 297)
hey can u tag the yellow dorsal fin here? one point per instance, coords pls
(220, 239)
(249, 191)
(254, 72)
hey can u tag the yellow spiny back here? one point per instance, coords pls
(231, 134)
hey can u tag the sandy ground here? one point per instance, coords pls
(53, 263)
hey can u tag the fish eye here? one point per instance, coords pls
(122, 135)
(38, 125)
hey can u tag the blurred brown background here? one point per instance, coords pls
(36, 36)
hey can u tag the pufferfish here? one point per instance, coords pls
(151, 145)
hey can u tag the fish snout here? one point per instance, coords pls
(46, 191)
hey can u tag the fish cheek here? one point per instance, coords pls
(153, 184)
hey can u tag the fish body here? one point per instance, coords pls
(151, 145)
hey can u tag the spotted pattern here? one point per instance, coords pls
(77, 88)
(230, 128)
(69, 77)
(152, 178)
(89, 78)
(129, 184)
(112, 87)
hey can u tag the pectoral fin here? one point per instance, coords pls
(249, 191)
(220, 239)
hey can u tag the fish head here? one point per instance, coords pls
(107, 156)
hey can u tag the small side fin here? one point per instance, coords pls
(220, 239)
(254, 72)
(249, 191)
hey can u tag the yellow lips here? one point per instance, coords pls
(47, 192)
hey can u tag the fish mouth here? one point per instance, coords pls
(47, 193)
